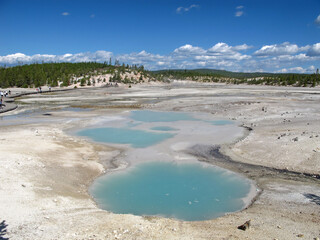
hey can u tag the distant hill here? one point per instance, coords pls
(223, 73)
(256, 78)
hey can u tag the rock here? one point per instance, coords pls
(23, 185)
(245, 226)
(279, 227)
(300, 235)
(296, 139)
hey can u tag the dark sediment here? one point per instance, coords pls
(213, 155)
(7, 106)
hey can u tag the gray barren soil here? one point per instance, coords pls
(46, 172)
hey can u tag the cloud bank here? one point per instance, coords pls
(283, 57)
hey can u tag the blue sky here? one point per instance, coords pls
(247, 35)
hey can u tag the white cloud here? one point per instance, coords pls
(65, 14)
(242, 47)
(278, 49)
(286, 58)
(149, 60)
(228, 52)
(161, 63)
(317, 21)
(297, 69)
(186, 9)
(239, 13)
(220, 48)
(189, 49)
(314, 50)
(14, 58)
(312, 68)
(304, 48)
(226, 49)
(67, 55)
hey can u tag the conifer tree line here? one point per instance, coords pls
(273, 79)
(35, 75)
(63, 74)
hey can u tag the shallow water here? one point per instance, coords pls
(153, 116)
(136, 138)
(138, 128)
(190, 192)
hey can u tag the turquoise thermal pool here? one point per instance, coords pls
(156, 183)
(189, 192)
(136, 138)
(153, 116)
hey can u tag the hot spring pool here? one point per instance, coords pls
(186, 191)
(190, 192)
(136, 138)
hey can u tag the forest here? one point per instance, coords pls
(64, 74)
(210, 75)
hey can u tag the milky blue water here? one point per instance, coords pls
(153, 116)
(188, 192)
(136, 138)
